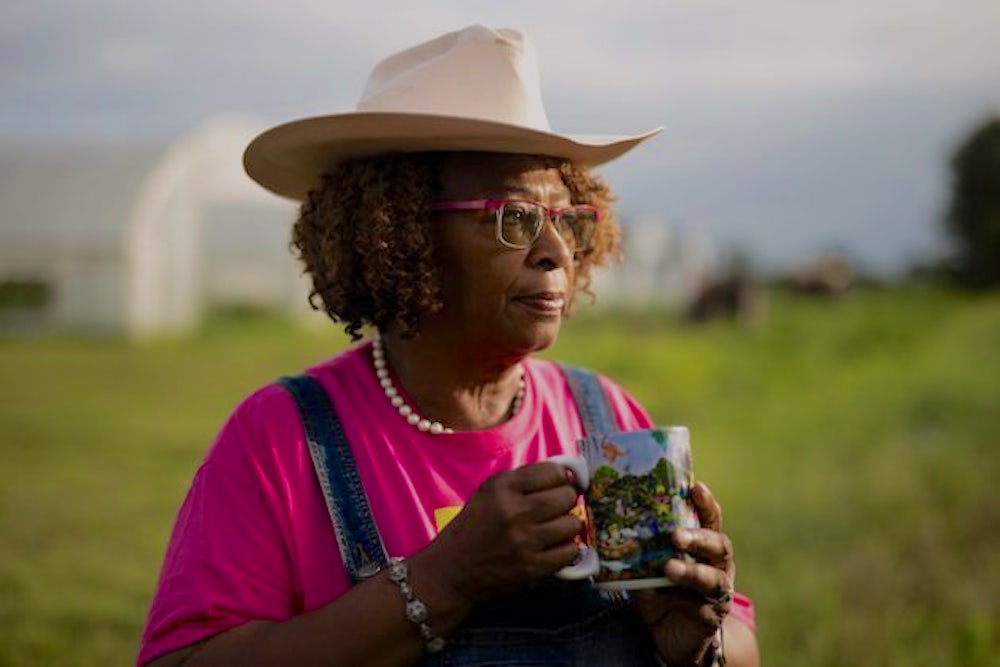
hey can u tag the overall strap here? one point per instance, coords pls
(591, 401)
(360, 543)
(598, 418)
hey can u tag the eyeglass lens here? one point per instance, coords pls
(521, 224)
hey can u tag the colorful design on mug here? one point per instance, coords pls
(639, 494)
(611, 451)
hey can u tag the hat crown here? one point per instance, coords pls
(475, 89)
(476, 72)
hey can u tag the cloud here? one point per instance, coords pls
(130, 58)
(797, 120)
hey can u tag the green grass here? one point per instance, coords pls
(850, 441)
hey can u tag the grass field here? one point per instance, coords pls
(852, 443)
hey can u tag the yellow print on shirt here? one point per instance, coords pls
(444, 515)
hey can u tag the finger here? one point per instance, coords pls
(711, 582)
(708, 546)
(653, 604)
(551, 503)
(541, 476)
(559, 531)
(558, 557)
(708, 508)
(657, 605)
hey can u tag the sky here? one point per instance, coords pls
(791, 126)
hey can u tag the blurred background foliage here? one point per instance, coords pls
(973, 218)
(851, 440)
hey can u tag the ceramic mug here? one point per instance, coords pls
(637, 491)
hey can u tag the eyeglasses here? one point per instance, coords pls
(519, 222)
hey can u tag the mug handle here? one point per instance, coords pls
(588, 564)
(576, 465)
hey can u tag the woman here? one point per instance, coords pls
(445, 214)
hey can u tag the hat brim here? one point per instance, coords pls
(290, 159)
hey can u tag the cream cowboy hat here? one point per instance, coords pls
(475, 89)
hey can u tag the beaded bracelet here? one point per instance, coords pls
(416, 610)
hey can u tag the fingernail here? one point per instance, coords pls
(675, 569)
(682, 538)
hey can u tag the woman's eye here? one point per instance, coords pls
(516, 212)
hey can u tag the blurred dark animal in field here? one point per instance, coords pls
(828, 274)
(736, 298)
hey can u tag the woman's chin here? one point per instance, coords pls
(536, 337)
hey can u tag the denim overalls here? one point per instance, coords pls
(557, 622)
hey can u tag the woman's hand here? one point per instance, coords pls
(683, 619)
(514, 531)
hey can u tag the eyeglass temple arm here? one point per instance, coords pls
(468, 205)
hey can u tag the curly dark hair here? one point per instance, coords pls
(365, 238)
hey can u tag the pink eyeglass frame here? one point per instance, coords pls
(494, 205)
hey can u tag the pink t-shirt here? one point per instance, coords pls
(253, 539)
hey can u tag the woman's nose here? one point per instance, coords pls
(551, 250)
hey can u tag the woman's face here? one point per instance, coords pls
(511, 300)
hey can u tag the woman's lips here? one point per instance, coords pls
(547, 303)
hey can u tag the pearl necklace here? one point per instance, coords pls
(407, 412)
